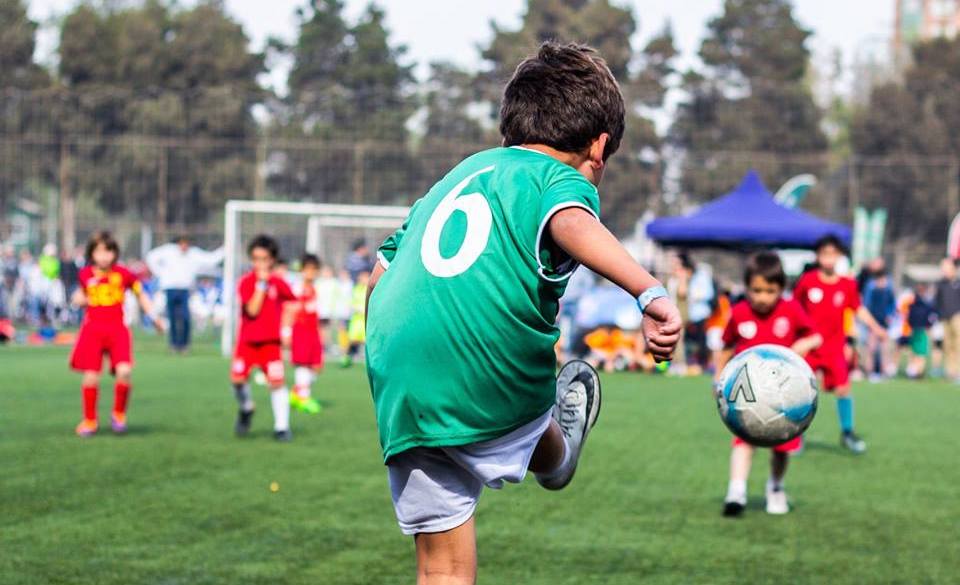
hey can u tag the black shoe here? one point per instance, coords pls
(853, 443)
(733, 509)
(283, 436)
(244, 420)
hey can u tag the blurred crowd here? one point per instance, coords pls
(184, 281)
(601, 324)
(598, 321)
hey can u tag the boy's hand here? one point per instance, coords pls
(881, 333)
(159, 324)
(661, 328)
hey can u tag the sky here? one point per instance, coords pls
(452, 29)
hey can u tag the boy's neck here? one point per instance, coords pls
(829, 277)
(568, 158)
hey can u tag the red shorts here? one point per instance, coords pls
(833, 364)
(265, 356)
(306, 348)
(97, 338)
(791, 446)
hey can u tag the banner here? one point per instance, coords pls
(792, 192)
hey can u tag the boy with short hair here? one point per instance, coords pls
(103, 284)
(826, 296)
(764, 316)
(262, 294)
(463, 302)
(302, 331)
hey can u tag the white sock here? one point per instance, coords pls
(303, 378)
(280, 400)
(243, 396)
(737, 490)
(774, 484)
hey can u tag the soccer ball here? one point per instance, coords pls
(767, 395)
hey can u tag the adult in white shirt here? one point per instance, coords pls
(176, 266)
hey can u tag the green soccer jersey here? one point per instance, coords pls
(461, 327)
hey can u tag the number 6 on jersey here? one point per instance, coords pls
(479, 221)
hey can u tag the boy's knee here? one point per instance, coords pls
(91, 378)
(123, 372)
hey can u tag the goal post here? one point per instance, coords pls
(324, 229)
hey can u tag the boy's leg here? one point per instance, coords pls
(776, 496)
(121, 397)
(279, 396)
(741, 457)
(239, 376)
(836, 379)
(447, 558)
(89, 388)
(551, 450)
(575, 411)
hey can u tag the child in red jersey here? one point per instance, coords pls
(764, 317)
(302, 332)
(262, 294)
(103, 285)
(826, 297)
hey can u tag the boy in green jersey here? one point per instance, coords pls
(463, 303)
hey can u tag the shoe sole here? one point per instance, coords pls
(572, 371)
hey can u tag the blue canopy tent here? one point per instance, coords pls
(747, 217)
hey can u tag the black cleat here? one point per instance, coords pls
(283, 436)
(733, 509)
(244, 420)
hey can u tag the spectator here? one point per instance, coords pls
(920, 317)
(359, 260)
(947, 305)
(882, 304)
(695, 293)
(176, 266)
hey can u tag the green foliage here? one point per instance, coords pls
(911, 131)
(159, 71)
(180, 500)
(750, 98)
(349, 87)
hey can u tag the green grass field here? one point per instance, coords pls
(181, 501)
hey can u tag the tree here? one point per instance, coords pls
(19, 77)
(906, 139)
(751, 97)
(145, 79)
(17, 43)
(349, 88)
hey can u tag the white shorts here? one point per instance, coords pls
(436, 489)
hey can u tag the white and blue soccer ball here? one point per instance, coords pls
(767, 395)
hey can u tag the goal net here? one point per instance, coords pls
(327, 230)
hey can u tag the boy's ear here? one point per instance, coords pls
(597, 148)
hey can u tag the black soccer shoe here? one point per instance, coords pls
(244, 420)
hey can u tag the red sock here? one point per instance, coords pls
(89, 402)
(121, 393)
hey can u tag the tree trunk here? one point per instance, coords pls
(68, 202)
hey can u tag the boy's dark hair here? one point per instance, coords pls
(767, 266)
(309, 260)
(686, 262)
(265, 242)
(830, 240)
(565, 97)
(357, 244)
(107, 240)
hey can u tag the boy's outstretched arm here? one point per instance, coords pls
(586, 240)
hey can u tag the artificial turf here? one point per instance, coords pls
(179, 500)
